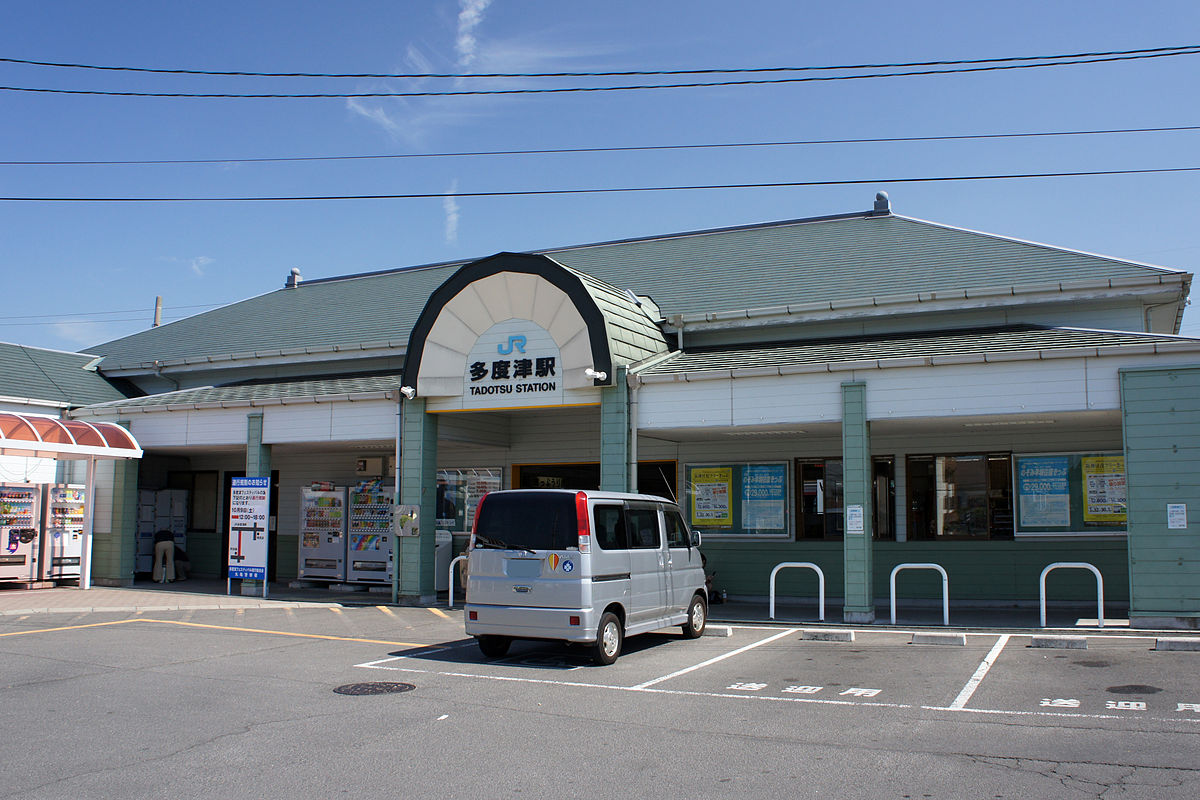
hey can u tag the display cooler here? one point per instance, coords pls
(62, 531)
(370, 542)
(20, 520)
(322, 537)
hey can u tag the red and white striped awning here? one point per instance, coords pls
(47, 437)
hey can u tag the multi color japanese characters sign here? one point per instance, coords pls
(515, 363)
(249, 501)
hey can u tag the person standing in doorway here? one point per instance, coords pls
(164, 557)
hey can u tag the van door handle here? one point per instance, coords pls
(660, 559)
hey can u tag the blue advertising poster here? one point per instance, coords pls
(764, 497)
(248, 507)
(1043, 487)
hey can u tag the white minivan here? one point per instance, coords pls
(581, 567)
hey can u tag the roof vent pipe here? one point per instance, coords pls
(293, 279)
(157, 311)
(882, 204)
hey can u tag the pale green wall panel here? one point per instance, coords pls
(418, 486)
(614, 435)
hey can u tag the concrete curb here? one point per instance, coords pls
(955, 639)
(722, 631)
(1191, 643)
(1060, 642)
(822, 635)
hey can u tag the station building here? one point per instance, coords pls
(855, 391)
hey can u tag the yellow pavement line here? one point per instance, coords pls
(286, 633)
(72, 627)
(440, 613)
(386, 610)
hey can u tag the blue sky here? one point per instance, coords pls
(77, 274)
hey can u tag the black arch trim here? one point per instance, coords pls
(528, 264)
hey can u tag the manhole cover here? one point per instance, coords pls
(1133, 688)
(375, 687)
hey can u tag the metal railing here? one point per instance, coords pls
(1073, 565)
(945, 588)
(453, 564)
(820, 585)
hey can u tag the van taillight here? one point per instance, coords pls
(581, 521)
(475, 522)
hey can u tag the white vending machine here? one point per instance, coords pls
(370, 543)
(20, 518)
(62, 531)
(323, 533)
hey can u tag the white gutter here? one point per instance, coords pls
(290, 355)
(26, 401)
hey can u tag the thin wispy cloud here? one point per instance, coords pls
(470, 16)
(450, 209)
(198, 264)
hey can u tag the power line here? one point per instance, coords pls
(632, 148)
(60, 317)
(606, 190)
(573, 89)
(624, 73)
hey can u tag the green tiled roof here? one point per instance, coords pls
(940, 346)
(263, 392)
(833, 259)
(35, 374)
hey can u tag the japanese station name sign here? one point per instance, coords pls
(515, 363)
(249, 503)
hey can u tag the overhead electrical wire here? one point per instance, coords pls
(596, 74)
(626, 149)
(574, 89)
(602, 190)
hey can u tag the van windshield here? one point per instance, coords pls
(533, 521)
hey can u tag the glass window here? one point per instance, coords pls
(609, 530)
(960, 496)
(738, 499)
(643, 528)
(821, 498)
(677, 532)
(536, 520)
(1070, 494)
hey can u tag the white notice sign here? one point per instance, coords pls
(249, 501)
(1177, 516)
(854, 519)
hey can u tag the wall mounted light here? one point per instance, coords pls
(408, 391)
(594, 374)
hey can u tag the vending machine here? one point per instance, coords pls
(62, 531)
(370, 543)
(323, 533)
(20, 518)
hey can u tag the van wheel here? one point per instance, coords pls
(494, 646)
(609, 636)
(697, 618)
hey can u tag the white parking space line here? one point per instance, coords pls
(703, 664)
(965, 695)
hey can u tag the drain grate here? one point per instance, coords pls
(375, 687)
(1133, 688)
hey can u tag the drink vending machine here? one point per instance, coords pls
(62, 531)
(20, 518)
(370, 543)
(323, 532)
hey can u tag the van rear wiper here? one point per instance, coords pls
(489, 541)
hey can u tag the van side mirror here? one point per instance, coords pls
(695, 538)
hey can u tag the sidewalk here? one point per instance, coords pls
(200, 594)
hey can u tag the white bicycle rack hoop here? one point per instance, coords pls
(945, 588)
(820, 585)
(1073, 565)
(453, 564)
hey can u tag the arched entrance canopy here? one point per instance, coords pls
(46, 437)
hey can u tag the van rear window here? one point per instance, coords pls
(535, 521)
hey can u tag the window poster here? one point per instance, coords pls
(764, 496)
(711, 488)
(1043, 486)
(1104, 489)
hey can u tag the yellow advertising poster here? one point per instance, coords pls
(1104, 489)
(712, 488)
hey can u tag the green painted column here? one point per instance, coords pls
(418, 486)
(859, 602)
(1160, 411)
(258, 465)
(614, 435)
(114, 552)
